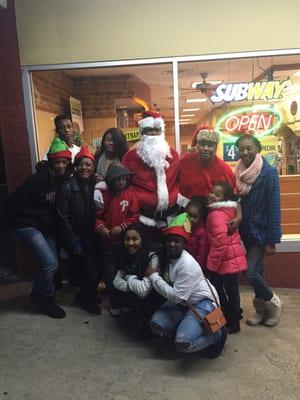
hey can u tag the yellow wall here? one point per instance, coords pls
(58, 31)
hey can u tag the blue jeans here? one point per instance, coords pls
(43, 248)
(255, 272)
(177, 319)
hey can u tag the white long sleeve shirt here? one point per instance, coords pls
(187, 281)
(131, 283)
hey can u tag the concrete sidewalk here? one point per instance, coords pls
(97, 357)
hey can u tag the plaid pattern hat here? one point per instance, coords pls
(207, 134)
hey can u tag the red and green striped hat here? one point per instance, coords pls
(58, 149)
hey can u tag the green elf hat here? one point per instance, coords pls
(59, 149)
(179, 226)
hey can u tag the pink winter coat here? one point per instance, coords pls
(226, 253)
(197, 245)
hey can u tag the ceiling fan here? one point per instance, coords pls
(205, 87)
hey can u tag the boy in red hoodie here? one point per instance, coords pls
(118, 208)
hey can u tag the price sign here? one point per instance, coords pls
(230, 152)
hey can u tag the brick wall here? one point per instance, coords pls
(52, 90)
(13, 129)
(12, 112)
(98, 93)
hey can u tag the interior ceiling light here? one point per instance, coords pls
(194, 84)
(184, 119)
(191, 109)
(187, 115)
(202, 100)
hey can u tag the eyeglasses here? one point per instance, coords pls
(146, 131)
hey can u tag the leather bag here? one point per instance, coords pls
(213, 321)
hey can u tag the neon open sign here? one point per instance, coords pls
(262, 119)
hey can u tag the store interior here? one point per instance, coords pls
(116, 96)
(104, 97)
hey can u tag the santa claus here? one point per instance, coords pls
(156, 167)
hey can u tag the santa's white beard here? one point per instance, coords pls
(153, 150)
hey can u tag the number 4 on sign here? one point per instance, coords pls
(230, 152)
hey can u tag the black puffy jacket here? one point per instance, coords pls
(76, 212)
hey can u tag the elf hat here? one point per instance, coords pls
(179, 226)
(151, 119)
(58, 149)
(83, 153)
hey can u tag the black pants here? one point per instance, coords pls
(109, 267)
(84, 270)
(228, 290)
(146, 307)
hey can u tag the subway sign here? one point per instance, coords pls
(249, 91)
(264, 120)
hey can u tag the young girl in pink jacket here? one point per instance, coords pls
(197, 244)
(226, 256)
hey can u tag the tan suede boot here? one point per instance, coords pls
(260, 312)
(274, 310)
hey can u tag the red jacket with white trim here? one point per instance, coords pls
(120, 209)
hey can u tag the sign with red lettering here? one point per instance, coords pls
(262, 120)
(249, 121)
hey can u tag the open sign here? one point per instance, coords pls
(263, 120)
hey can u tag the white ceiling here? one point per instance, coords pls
(159, 78)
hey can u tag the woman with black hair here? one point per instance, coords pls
(258, 186)
(77, 216)
(131, 288)
(112, 149)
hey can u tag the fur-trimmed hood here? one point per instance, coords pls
(223, 204)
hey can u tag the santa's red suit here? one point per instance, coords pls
(145, 185)
(197, 177)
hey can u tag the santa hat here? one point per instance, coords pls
(151, 119)
(58, 149)
(179, 226)
(83, 153)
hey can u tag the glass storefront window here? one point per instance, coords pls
(101, 98)
(256, 95)
(260, 95)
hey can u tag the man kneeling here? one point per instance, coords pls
(184, 282)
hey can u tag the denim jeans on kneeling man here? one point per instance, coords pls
(176, 319)
(43, 248)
